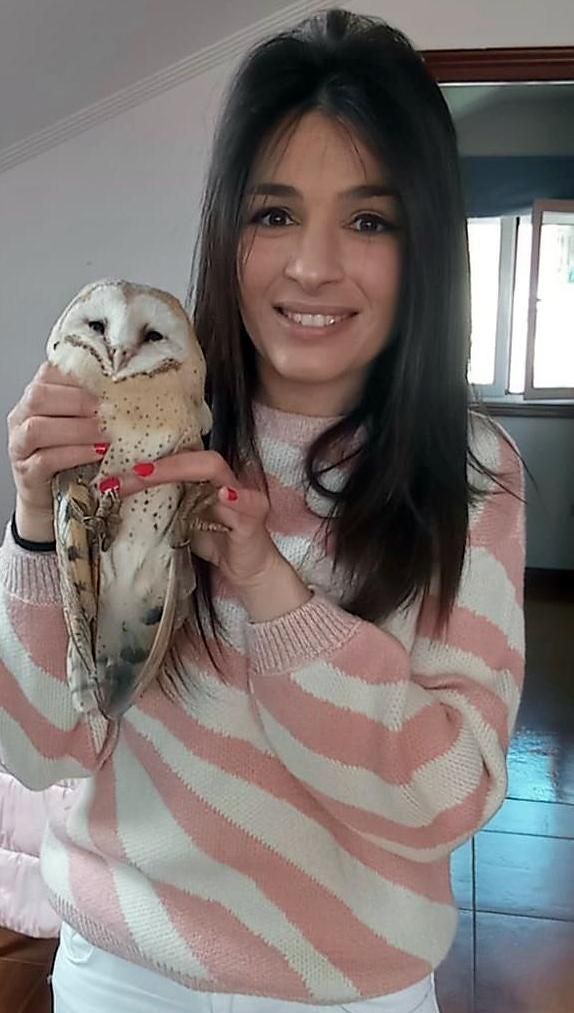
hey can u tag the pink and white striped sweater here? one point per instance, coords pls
(286, 833)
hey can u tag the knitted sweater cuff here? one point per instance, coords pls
(313, 630)
(30, 576)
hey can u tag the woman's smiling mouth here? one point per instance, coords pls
(315, 321)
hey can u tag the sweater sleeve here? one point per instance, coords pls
(406, 747)
(43, 739)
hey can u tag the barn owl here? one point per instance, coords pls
(125, 574)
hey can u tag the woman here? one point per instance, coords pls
(272, 830)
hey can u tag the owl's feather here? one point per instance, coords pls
(79, 573)
(125, 566)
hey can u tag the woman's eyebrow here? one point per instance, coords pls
(273, 190)
(366, 190)
(363, 191)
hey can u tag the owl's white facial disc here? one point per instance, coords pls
(125, 330)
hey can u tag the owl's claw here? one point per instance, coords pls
(103, 525)
(198, 498)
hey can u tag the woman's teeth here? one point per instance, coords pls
(313, 319)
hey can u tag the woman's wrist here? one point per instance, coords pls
(278, 591)
(31, 544)
(34, 526)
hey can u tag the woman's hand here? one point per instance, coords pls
(52, 427)
(245, 553)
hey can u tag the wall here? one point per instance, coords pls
(532, 126)
(454, 24)
(121, 200)
(547, 447)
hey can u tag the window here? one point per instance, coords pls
(522, 292)
(484, 245)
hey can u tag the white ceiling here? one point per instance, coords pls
(59, 56)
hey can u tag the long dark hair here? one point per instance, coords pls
(401, 517)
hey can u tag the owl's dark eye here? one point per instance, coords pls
(153, 336)
(98, 326)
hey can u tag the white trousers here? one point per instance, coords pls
(89, 980)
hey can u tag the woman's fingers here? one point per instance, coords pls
(242, 512)
(238, 505)
(237, 508)
(243, 551)
(46, 373)
(59, 400)
(49, 374)
(33, 480)
(189, 466)
(51, 392)
(39, 468)
(53, 427)
(41, 431)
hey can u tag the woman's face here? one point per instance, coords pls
(319, 267)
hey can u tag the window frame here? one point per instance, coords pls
(532, 393)
(502, 342)
(499, 66)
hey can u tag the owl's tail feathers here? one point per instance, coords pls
(180, 587)
(116, 694)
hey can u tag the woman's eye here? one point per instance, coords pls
(271, 218)
(98, 326)
(153, 336)
(371, 224)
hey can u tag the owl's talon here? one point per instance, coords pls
(199, 524)
(103, 525)
(197, 500)
(202, 524)
(180, 545)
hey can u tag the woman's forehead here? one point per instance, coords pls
(316, 143)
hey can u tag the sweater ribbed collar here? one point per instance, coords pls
(289, 427)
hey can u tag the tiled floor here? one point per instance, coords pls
(514, 881)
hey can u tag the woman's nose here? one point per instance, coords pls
(315, 257)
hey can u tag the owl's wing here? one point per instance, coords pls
(78, 565)
(123, 681)
(163, 638)
(115, 697)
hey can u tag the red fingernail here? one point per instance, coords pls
(101, 448)
(110, 485)
(232, 495)
(145, 469)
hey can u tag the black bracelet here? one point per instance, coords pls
(24, 543)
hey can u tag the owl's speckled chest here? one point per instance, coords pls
(145, 419)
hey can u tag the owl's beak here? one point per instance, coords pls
(121, 357)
